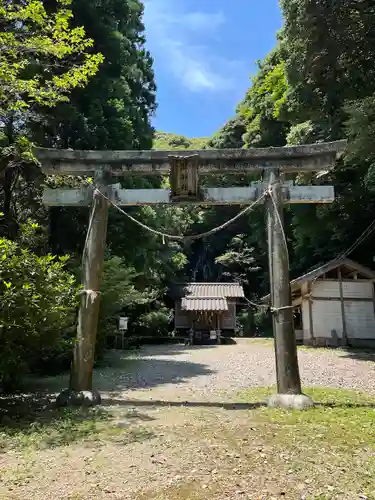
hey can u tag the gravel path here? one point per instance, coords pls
(177, 456)
(206, 372)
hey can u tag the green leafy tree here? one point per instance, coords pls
(120, 296)
(42, 58)
(263, 109)
(238, 261)
(360, 128)
(154, 323)
(328, 50)
(164, 140)
(19, 182)
(113, 112)
(114, 109)
(230, 135)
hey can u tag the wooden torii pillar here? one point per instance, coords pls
(185, 168)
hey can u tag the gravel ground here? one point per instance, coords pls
(189, 447)
(206, 372)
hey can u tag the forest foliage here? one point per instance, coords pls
(317, 84)
(42, 58)
(167, 140)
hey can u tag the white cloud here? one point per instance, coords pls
(201, 21)
(172, 36)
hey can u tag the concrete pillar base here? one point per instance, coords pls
(290, 401)
(78, 398)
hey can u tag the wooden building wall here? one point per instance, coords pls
(229, 317)
(182, 320)
(337, 312)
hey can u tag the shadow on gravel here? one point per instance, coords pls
(147, 373)
(122, 373)
(172, 350)
(359, 354)
(134, 403)
(176, 349)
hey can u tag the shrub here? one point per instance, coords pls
(38, 298)
(119, 295)
(179, 140)
(254, 323)
(155, 323)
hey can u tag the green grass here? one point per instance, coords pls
(344, 418)
(333, 443)
(266, 341)
(366, 354)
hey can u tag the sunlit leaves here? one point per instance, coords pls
(41, 57)
(264, 106)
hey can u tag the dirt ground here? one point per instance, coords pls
(189, 433)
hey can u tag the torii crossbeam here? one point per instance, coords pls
(185, 169)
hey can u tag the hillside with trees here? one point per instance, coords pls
(166, 140)
(85, 81)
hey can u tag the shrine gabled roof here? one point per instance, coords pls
(333, 264)
(204, 304)
(329, 266)
(225, 290)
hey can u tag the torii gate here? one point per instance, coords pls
(185, 168)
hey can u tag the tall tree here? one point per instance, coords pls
(230, 135)
(328, 51)
(42, 58)
(263, 106)
(36, 55)
(113, 112)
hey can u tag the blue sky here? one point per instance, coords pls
(204, 54)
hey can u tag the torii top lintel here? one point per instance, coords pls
(310, 157)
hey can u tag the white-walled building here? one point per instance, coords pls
(335, 305)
